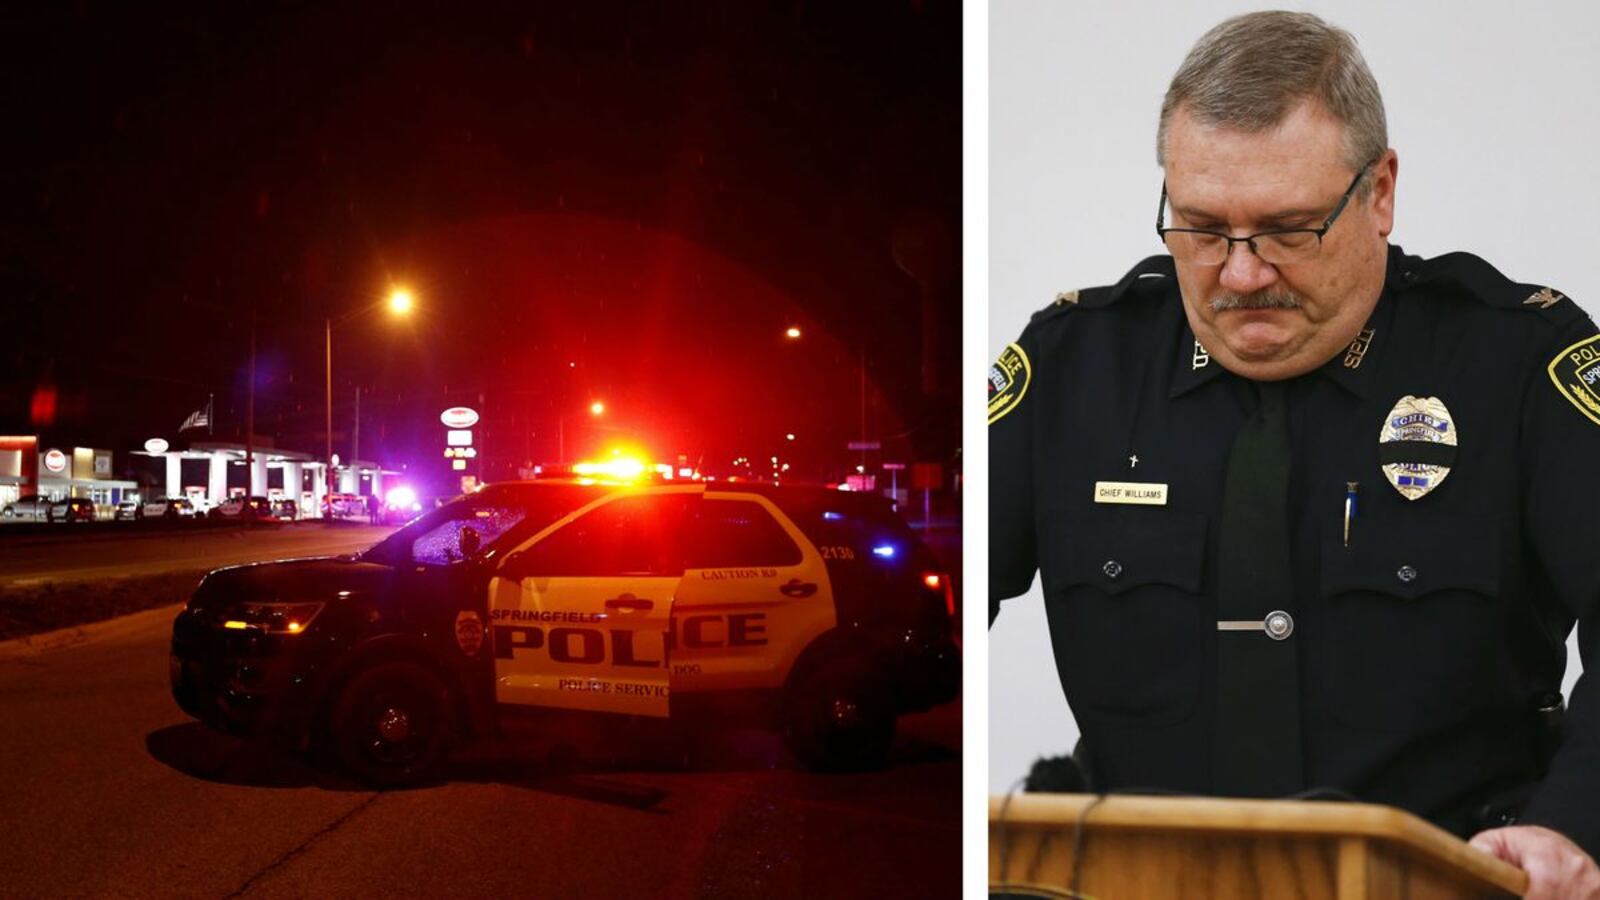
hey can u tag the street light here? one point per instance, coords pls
(596, 409)
(794, 334)
(399, 303)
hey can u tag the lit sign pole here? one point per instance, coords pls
(399, 302)
(458, 421)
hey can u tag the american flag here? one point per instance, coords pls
(200, 418)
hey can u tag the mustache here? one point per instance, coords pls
(1270, 298)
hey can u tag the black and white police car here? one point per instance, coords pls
(819, 612)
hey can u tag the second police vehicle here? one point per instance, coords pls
(816, 612)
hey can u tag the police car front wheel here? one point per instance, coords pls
(390, 725)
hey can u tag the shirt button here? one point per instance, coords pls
(1112, 568)
(1279, 625)
(1406, 574)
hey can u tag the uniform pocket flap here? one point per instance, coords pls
(1423, 556)
(1117, 550)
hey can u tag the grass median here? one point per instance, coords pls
(35, 609)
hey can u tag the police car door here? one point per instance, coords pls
(579, 615)
(755, 592)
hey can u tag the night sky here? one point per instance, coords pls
(589, 201)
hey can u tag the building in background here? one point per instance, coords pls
(209, 472)
(28, 465)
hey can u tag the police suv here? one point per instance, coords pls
(819, 612)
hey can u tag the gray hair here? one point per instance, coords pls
(1251, 71)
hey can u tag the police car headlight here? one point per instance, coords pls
(273, 618)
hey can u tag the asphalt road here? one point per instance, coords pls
(121, 549)
(109, 789)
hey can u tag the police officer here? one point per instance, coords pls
(1310, 513)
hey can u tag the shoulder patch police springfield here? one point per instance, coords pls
(1008, 381)
(1575, 371)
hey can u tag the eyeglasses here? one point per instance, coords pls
(1282, 246)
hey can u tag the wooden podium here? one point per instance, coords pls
(1159, 847)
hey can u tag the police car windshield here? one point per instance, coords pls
(435, 538)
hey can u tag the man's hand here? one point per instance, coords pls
(1557, 868)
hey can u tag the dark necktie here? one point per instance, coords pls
(1258, 745)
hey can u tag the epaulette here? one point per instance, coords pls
(1475, 277)
(1151, 269)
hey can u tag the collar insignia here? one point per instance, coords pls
(1358, 348)
(1544, 298)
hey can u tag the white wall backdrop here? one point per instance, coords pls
(1491, 108)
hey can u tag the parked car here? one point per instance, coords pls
(255, 508)
(344, 506)
(72, 509)
(287, 510)
(128, 511)
(32, 508)
(169, 508)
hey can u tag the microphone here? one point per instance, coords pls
(1055, 775)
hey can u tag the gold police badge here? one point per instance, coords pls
(1417, 445)
(1008, 381)
(1576, 373)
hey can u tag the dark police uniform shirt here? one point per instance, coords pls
(1423, 644)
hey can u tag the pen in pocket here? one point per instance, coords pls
(1351, 488)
